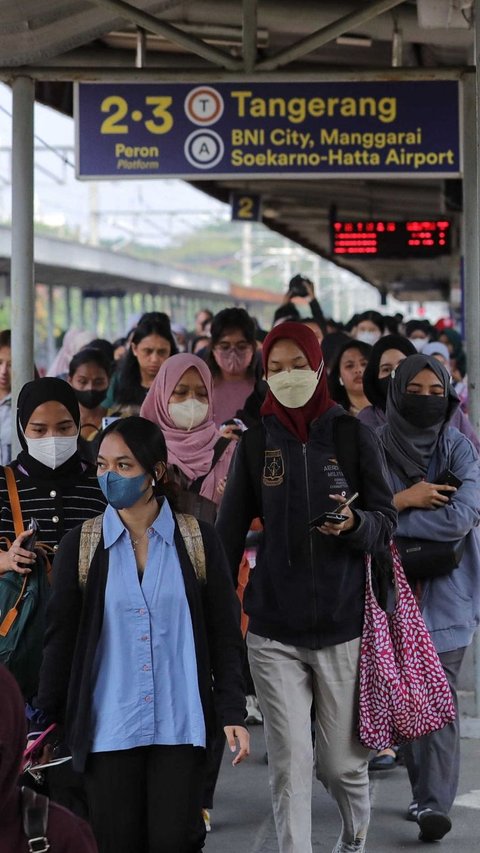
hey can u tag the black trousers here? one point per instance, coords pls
(147, 799)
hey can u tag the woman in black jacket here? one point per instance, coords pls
(305, 596)
(134, 660)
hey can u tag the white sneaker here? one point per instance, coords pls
(357, 846)
(254, 714)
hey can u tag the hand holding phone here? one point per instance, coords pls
(335, 517)
(448, 478)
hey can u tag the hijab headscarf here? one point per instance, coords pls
(190, 450)
(34, 394)
(375, 391)
(410, 447)
(455, 340)
(437, 348)
(298, 421)
(73, 341)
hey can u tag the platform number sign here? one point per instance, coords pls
(246, 207)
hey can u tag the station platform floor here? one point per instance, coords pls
(242, 819)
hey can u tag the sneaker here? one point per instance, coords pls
(206, 820)
(254, 714)
(412, 811)
(357, 846)
(433, 825)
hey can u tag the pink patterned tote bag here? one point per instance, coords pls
(404, 692)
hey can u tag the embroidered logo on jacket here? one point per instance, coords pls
(273, 469)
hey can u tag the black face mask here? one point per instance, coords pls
(90, 399)
(423, 410)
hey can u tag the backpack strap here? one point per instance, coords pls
(35, 820)
(192, 536)
(90, 536)
(14, 500)
(346, 440)
(220, 446)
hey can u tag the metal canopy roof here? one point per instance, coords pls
(58, 41)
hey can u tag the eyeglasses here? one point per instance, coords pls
(242, 346)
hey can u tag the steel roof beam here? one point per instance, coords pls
(173, 34)
(249, 9)
(328, 33)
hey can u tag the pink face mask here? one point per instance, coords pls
(232, 361)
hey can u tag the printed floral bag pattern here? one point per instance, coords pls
(404, 692)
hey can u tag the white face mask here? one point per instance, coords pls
(189, 414)
(294, 388)
(53, 450)
(368, 337)
(419, 343)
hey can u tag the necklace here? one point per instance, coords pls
(136, 541)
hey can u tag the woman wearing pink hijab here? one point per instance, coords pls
(180, 402)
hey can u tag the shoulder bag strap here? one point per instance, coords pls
(14, 500)
(12, 614)
(345, 439)
(220, 446)
(192, 536)
(35, 820)
(90, 536)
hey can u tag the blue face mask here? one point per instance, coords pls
(122, 492)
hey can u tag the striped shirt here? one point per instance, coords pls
(58, 505)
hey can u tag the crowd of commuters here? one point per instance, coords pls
(146, 462)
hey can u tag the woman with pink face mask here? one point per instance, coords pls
(231, 361)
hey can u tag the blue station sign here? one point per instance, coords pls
(265, 130)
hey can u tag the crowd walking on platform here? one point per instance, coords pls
(186, 533)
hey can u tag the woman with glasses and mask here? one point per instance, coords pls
(231, 360)
(421, 449)
(137, 660)
(384, 358)
(305, 596)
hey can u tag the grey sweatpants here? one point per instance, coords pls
(433, 761)
(287, 679)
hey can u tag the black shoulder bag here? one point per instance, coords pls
(35, 820)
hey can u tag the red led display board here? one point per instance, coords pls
(387, 238)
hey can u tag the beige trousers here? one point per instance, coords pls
(287, 679)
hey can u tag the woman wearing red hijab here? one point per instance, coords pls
(305, 597)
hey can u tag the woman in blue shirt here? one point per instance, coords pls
(132, 657)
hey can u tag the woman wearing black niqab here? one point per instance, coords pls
(420, 446)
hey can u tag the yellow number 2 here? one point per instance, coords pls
(120, 107)
(245, 207)
(161, 112)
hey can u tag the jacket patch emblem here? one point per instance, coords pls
(273, 469)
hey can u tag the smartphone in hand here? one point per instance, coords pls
(332, 517)
(448, 478)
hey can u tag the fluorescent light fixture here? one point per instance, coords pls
(355, 41)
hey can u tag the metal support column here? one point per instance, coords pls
(22, 271)
(471, 200)
(51, 349)
(68, 307)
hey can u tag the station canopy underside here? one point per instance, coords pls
(59, 41)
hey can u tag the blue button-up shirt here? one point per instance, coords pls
(145, 674)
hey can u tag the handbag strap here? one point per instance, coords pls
(220, 446)
(14, 500)
(35, 820)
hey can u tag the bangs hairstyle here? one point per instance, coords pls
(232, 320)
(146, 442)
(90, 355)
(129, 391)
